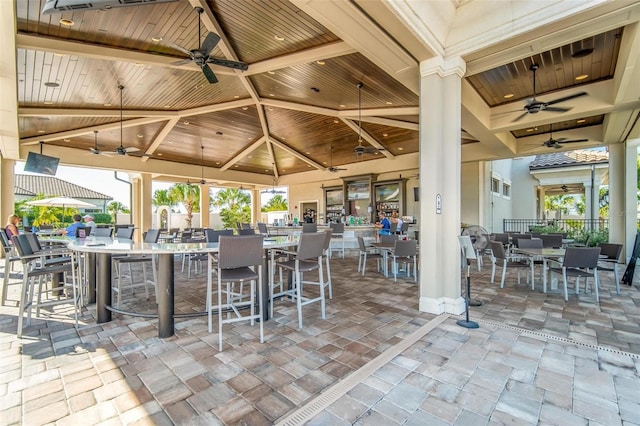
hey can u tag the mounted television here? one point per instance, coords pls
(43, 164)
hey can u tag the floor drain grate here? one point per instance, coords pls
(560, 339)
(333, 393)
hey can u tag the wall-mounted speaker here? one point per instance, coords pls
(416, 194)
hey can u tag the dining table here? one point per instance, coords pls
(103, 248)
(546, 254)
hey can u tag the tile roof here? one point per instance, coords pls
(568, 159)
(50, 186)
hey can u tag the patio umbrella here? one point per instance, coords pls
(60, 202)
(63, 202)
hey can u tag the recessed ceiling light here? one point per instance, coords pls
(249, 137)
(235, 166)
(51, 84)
(245, 108)
(283, 170)
(66, 140)
(271, 94)
(217, 163)
(159, 154)
(320, 62)
(186, 123)
(308, 153)
(48, 102)
(385, 135)
(336, 121)
(66, 22)
(140, 135)
(40, 131)
(156, 39)
(107, 104)
(236, 96)
(582, 77)
(582, 120)
(279, 38)
(271, 72)
(169, 141)
(166, 106)
(389, 103)
(270, 108)
(342, 106)
(508, 96)
(529, 130)
(401, 149)
(324, 162)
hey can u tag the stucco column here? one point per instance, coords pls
(136, 191)
(440, 154)
(588, 203)
(541, 195)
(623, 204)
(7, 189)
(256, 201)
(145, 215)
(205, 198)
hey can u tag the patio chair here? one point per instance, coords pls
(9, 260)
(612, 253)
(33, 266)
(580, 262)
(405, 252)
(508, 261)
(125, 233)
(246, 231)
(534, 243)
(150, 237)
(262, 228)
(326, 256)
(367, 253)
(103, 232)
(337, 236)
(307, 258)
(239, 261)
(551, 240)
(309, 228)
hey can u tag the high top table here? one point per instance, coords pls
(104, 248)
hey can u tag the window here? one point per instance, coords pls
(506, 190)
(495, 185)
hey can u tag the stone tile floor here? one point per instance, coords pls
(534, 360)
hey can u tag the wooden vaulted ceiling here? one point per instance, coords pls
(294, 110)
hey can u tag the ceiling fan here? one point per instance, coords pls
(557, 143)
(201, 58)
(534, 106)
(273, 190)
(94, 149)
(202, 181)
(331, 168)
(361, 149)
(121, 150)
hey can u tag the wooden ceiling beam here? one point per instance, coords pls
(328, 51)
(392, 123)
(367, 137)
(157, 141)
(246, 151)
(80, 112)
(88, 130)
(295, 153)
(274, 163)
(215, 107)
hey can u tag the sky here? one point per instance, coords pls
(104, 181)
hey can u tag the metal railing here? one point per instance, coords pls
(565, 225)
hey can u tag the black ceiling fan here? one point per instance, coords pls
(94, 149)
(201, 58)
(557, 143)
(202, 181)
(121, 150)
(361, 149)
(534, 106)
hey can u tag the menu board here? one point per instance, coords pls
(358, 190)
(335, 197)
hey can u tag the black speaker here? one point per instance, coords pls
(416, 194)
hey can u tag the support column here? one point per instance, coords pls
(136, 198)
(7, 188)
(205, 198)
(440, 155)
(541, 195)
(623, 201)
(588, 212)
(256, 206)
(145, 215)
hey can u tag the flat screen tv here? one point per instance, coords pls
(43, 164)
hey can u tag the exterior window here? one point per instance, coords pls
(506, 190)
(495, 185)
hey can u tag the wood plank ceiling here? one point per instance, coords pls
(294, 117)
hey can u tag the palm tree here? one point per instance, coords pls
(234, 206)
(275, 203)
(558, 203)
(161, 197)
(116, 207)
(189, 195)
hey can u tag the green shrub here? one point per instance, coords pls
(103, 218)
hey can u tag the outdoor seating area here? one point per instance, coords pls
(130, 375)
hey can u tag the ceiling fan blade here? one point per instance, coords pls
(566, 98)
(520, 117)
(560, 139)
(557, 109)
(181, 49)
(229, 64)
(211, 77)
(182, 62)
(131, 149)
(575, 140)
(210, 42)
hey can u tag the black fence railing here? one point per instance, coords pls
(565, 225)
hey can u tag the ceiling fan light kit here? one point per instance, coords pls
(534, 106)
(361, 149)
